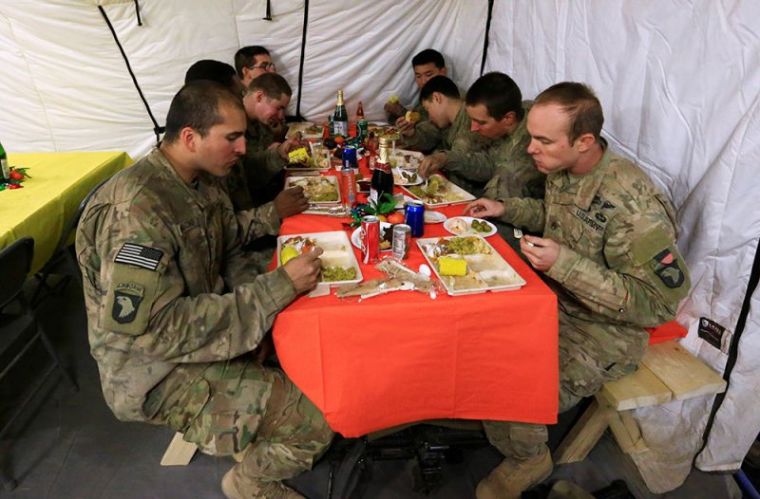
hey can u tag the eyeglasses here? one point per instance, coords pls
(266, 66)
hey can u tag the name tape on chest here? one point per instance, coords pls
(139, 256)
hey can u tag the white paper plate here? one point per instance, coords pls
(450, 225)
(399, 180)
(434, 217)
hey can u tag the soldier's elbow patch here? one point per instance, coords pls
(129, 299)
(666, 267)
(656, 249)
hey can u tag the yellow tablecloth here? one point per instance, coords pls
(59, 181)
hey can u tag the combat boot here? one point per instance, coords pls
(237, 486)
(510, 478)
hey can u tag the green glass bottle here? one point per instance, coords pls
(5, 171)
(340, 117)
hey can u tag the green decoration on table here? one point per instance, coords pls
(16, 177)
(386, 204)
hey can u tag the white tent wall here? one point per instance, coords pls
(678, 79)
(366, 48)
(680, 85)
(69, 89)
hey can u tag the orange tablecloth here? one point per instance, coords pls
(403, 357)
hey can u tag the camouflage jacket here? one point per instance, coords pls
(254, 221)
(505, 165)
(260, 163)
(618, 269)
(460, 139)
(426, 136)
(165, 281)
(458, 136)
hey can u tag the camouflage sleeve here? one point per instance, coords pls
(645, 280)
(472, 165)
(266, 163)
(150, 303)
(257, 222)
(426, 138)
(526, 213)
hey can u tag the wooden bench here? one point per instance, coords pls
(667, 372)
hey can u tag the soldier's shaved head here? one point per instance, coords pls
(197, 106)
(580, 104)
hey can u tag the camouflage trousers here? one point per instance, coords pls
(248, 407)
(589, 356)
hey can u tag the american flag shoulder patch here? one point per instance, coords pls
(139, 256)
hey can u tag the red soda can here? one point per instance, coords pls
(370, 238)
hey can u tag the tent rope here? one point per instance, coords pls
(268, 17)
(733, 349)
(485, 38)
(137, 12)
(303, 58)
(158, 130)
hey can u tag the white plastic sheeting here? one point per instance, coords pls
(679, 81)
(680, 86)
(66, 86)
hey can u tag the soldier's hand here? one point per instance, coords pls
(405, 127)
(304, 270)
(540, 252)
(484, 207)
(432, 163)
(284, 148)
(290, 202)
(394, 109)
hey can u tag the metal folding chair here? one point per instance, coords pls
(20, 330)
(63, 260)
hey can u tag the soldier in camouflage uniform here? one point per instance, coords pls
(441, 99)
(495, 108)
(174, 307)
(259, 220)
(256, 185)
(608, 250)
(423, 135)
(251, 62)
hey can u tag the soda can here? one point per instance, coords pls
(348, 188)
(349, 158)
(414, 217)
(402, 239)
(370, 238)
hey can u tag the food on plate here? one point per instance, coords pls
(439, 191)
(318, 189)
(298, 156)
(462, 226)
(287, 254)
(294, 246)
(312, 131)
(412, 116)
(404, 177)
(480, 226)
(452, 265)
(465, 245)
(458, 226)
(332, 274)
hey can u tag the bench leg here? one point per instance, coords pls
(179, 452)
(584, 435)
(626, 432)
